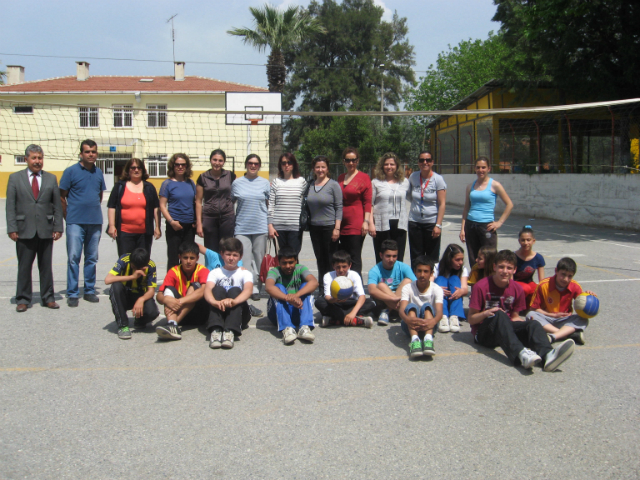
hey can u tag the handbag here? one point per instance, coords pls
(305, 214)
(269, 261)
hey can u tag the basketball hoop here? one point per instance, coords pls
(255, 121)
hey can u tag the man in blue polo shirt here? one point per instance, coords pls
(81, 188)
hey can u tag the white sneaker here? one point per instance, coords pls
(305, 334)
(383, 319)
(367, 321)
(326, 321)
(227, 339)
(558, 355)
(289, 335)
(454, 324)
(216, 339)
(528, 358)
(443, 325)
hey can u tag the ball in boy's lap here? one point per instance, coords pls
(341, 288)
(586, 305)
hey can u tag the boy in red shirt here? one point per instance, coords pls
(182, 293)
(552, 304)
(493, 316)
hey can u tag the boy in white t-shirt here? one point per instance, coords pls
(421, 308)
(227, 291)
(351, 312)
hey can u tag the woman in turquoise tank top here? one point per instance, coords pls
(479, 227)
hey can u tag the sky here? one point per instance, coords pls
(138, 30)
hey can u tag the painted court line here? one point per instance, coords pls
(258, 365)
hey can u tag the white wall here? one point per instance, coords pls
(604, 200)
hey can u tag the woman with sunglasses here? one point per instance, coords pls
(177, 197)
(389, 210)
(356, 207)
(285, 203)
(251, 195)
(215, 218)
(134, 219)
(428, 193)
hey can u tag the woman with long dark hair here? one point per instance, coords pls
(134, 219)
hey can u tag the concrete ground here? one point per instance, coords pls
(77, 402)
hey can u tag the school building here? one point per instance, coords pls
(127, 116)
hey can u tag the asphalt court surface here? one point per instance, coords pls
(77, 402)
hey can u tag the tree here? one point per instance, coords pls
(590, 50)
(342, 69)
(277, 30)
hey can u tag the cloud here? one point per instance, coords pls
(388, 14)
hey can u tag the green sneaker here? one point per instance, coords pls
(427, 348)
(124, 333)
(415, 349)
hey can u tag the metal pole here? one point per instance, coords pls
(613, 131)
(538, 130)
(570, 142)
(454, 152)
(382, 98)
(490, 145)
(513, 147)
(439, 152)
(470, 149)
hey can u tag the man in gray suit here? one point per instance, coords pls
(34, 221)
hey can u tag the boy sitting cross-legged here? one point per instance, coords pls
(290, 287)
(421, 306)
(227, 291)
(133, 284)
(387, 279)
(552, 308)
(351, 311)
(493, 316)
(182, 293)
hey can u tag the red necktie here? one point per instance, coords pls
(34, 186)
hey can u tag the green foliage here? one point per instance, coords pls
(590, 49)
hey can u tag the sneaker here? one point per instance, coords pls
(306, 334)
(528, 358)
(227, 339)
(415, 349)
(169, 332)
(289, 335)
(558, 355)
(578, 337)
(427, 348)
(72, 301)
(383, 319)
(550, 338)
(367, 322)
(255, 312)
(454, 324)
(124, 333)
(443, 325)
(215, 341)
(325, 322)
(140, 323)
(91, 297)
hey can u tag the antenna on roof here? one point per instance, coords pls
(173, 37)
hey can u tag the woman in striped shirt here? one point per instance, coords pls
(285, 203)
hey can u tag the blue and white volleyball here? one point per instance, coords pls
(341, 288)
(586, 305)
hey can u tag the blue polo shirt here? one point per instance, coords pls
(84, 187)
(391, 278)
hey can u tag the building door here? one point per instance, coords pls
(107, 163)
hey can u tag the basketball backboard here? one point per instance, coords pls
(253, 103)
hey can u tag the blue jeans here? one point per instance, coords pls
(451, 307)
(284, 315)
(420, 311)
(79, 237)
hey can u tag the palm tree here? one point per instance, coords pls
(277, 30)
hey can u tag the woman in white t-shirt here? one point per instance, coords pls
(452, 276)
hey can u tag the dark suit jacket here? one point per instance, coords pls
(29, 216)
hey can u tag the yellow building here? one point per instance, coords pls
(127, 116)
(587, 140)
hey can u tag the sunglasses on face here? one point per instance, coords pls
(253, 164)
(135, 168)
(351, 160)
(422, 160)
(285, 163)
(180, 165)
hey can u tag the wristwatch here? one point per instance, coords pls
(439, 226)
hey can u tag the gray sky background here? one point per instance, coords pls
(137, 29)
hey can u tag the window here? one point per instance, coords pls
(20, 160)
(157, 118)
(157, 165)
(122, 116)
(23, 109)
(88, 117)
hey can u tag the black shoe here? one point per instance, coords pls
(72, 301)
(140, 323)
(255, 297)
(91, 297)
(255, 312)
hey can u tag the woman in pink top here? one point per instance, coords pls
(356, 207)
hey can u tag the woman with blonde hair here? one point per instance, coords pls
(389, 204)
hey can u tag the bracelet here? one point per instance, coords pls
(366, 221)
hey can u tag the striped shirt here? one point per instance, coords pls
(285, 203)
(251, 197)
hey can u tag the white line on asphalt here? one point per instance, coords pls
(616, 280)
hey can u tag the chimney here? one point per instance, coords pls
(15, 74)
(82, 71)
(178, 69)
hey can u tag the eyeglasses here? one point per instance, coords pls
(135, 168)
(285, 162)
(351, 160)
(250, 164)
(422, 160)
(180, 165)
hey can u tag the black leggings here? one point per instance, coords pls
(323, 248)
(394, 233)
(174, 240)
(217, 228)
(476, 237)
(352, 244)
